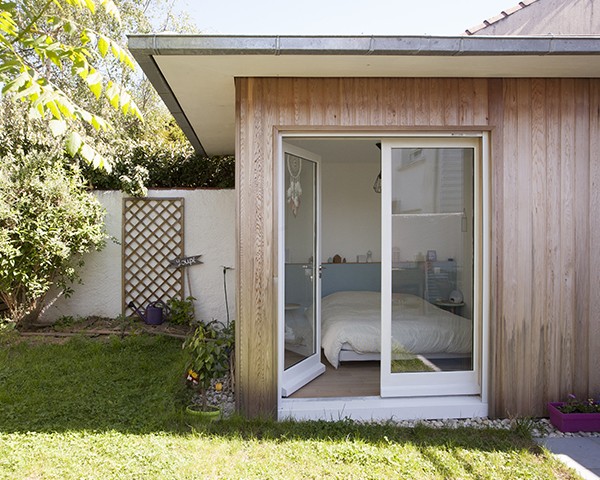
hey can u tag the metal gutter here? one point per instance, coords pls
(167, 44)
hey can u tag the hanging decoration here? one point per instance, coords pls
(294, 191)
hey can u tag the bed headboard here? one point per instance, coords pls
(339, 277)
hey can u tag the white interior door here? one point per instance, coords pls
(432, 227)
(300, 290)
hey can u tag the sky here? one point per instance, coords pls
(341, 17)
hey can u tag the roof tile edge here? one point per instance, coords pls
(501, 16)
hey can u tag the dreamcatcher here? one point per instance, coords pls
(294, 191)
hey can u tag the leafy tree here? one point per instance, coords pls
(47, 222)
(49, 49)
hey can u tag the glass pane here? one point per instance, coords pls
(432, 259)
(300, 259)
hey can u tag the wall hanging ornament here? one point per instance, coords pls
(294, 191)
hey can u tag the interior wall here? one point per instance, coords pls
(351, 211)
(299, 228)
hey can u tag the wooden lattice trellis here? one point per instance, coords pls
(152, 235)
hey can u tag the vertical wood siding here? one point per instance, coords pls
(546, 174)
(546, 314)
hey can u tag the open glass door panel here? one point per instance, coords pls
(300, 329)
(430, 305)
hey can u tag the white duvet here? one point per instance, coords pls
(418, 327)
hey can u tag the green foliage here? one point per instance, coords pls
(208, 350)
(575, 405)
(47, 222)
(47, 49)
(181, 311)
(149, 165)
(523, 426)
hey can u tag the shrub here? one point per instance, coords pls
(161, 166)
(181, 311)
(47, 221)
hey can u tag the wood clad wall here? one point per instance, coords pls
(545, 171)
(546, 164)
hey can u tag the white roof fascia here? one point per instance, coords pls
(194, 74)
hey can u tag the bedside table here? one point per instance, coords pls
(449, 306)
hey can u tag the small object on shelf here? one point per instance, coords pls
(431, 256)
(369, 256)
(456, 296)
(337, 258)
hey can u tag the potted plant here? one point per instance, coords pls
(209, 348)
(575, 415)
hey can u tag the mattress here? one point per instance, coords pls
(354, 319)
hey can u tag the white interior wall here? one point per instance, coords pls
(299, 228)
(209, 229)
(351, 210)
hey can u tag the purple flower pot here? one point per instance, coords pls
(573, 422)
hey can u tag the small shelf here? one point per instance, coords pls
(350, 263)
(434, 215)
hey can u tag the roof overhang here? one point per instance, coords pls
(194, 74)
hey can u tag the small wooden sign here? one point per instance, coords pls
(185, 261)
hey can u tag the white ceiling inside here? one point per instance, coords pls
(342, 150)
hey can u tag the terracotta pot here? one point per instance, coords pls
(573, 422)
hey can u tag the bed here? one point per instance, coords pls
(352, 321)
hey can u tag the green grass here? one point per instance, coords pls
(114, 409)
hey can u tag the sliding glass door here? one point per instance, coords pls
(431, 231)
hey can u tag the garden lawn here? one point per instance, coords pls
(102, 409)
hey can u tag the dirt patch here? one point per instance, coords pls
(100, 327)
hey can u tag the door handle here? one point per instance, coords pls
(321, 268)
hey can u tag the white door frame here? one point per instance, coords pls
(378, 408)
(415, 384)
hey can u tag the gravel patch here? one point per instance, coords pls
(539, 427)
(224, 398)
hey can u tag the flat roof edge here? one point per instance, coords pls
(170, 44)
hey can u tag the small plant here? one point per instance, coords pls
(182, 311)
(575, 405)
(209, 349)
(523, 426)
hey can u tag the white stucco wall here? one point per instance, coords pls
(209, 229)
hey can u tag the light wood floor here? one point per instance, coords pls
(350, 379)
(356, 379)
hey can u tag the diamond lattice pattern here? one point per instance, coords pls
(152, 235)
